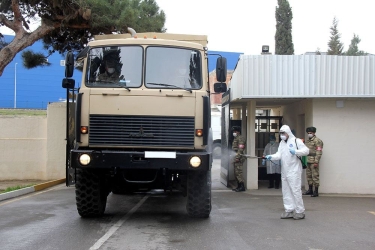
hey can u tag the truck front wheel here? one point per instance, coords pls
(91, 193)
(199, 194)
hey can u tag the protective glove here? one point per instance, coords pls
(292, 151)
(268, 157)
(264, 162)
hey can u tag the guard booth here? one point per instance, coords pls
(264, 127)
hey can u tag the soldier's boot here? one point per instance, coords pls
(238, 184)
(241, 187)
(310, 191)
(316, 193)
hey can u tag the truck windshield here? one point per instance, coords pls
(168, 67)
(114, 67)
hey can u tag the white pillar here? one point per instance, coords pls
(251, 163)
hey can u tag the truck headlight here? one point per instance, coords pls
(84, 159)
(195, 161)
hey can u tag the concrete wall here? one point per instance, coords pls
(33, 147)
(347, 132)
(56, 143)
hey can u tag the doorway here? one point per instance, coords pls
(264, 127)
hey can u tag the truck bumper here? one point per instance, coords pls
(107, 159)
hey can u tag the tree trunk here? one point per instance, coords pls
(22, 40)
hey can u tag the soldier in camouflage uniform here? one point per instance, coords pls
(238, 146)
(112, 69)
(315, 146)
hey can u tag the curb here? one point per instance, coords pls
(32, 189)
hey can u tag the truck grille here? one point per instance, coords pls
(164, 131)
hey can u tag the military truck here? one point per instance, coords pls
(145, 124)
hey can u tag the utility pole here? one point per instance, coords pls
(15, 85)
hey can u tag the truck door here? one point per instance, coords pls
(225, 136)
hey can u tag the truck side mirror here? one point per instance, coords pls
(220, 87)
(69, 64)
(221, 69)
(68, 83)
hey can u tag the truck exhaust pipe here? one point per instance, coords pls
(132, 31)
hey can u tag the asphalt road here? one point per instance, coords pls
(249, 220)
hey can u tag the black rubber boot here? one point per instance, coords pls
(316, 193)
(270, 185)
(238, 184)
(277, 181)
(309, 192)
(241, 187)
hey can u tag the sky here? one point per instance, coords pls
(245, 25)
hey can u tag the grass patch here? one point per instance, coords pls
(23, 112)
(10, 189)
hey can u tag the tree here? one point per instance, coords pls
(335, 46)
(70, 24)
(283, 37)
(353, 47)
(2, 42)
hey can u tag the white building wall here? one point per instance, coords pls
(346, 165)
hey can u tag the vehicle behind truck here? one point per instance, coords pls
(141, 119)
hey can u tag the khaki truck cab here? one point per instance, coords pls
(141, 119)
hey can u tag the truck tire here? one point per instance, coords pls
(216, 150)
(199, 194)
(91, 193)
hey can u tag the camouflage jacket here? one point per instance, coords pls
(315, 146)
(239, 140)
(115, 77)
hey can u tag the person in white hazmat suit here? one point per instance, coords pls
(291, 169)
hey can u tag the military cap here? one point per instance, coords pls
(236, 128)
(111, 55)
(311, 129)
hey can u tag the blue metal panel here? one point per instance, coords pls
(35, 87)
(232, 59)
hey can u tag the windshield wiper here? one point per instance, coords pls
(116, 83)
(119, 84)
(169, 85)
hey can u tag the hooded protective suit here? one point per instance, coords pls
(291, 171)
